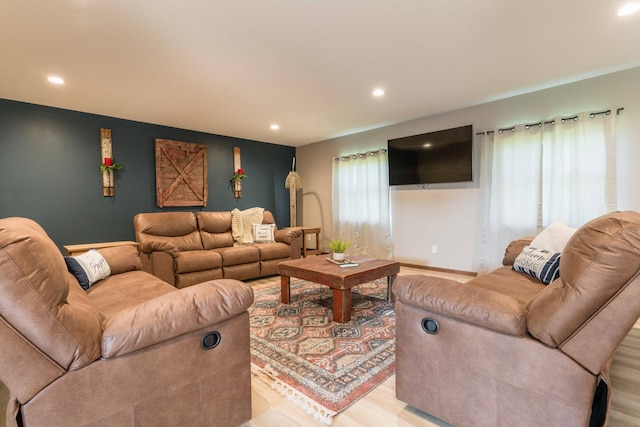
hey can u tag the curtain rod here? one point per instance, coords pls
(368, 153)
(551, 122)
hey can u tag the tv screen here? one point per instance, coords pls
(429, 158)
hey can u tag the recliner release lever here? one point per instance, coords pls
(210, 340)
(430, 326)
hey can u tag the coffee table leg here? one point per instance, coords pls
(390, 296)
(285, 289)
(341, 305)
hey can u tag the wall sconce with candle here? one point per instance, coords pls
(235, 183)
(108, 165)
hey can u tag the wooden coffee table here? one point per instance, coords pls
(341, 279)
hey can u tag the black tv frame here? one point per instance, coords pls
(443, 156)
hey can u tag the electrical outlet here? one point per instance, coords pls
(434, 249)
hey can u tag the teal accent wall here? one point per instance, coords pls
(49, 171)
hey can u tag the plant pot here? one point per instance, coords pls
(338, 256)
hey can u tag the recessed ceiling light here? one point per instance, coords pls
(275, 126)
(629, 8)
(378, 92)
(55, 80)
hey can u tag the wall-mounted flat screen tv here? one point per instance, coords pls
(430, 158)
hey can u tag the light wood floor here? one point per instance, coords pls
(378, 408)
(381, 408)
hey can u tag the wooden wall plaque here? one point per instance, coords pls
(106, 151)
(181, 173)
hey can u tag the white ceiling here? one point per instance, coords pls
(235, 67)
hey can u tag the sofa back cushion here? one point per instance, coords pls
(600, 260)
(43, 303)
(179, 229)
(215, 229)
(269, 219)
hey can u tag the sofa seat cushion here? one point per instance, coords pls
(239, 255)
(189, 261)
(273, 250)
(504, 280)
(188, 279)
(269, 267)
(242, 271)
(124, 290)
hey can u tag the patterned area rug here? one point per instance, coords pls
(322, 365)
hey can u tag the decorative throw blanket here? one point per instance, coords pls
(242, 224)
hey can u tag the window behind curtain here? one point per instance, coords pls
(578, 169)
(534, 175)
(361, 203)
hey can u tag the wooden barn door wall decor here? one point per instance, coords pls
(181, 173)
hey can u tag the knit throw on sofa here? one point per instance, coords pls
(242, 224)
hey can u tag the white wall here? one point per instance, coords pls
(448, 218)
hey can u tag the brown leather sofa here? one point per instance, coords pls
(505, 350)
(130, 351)
(185, 248)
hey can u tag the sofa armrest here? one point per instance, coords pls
(174, 314)
(514, 248)
(288, 234)
(122, 259)
(149, 246)
(478, 306)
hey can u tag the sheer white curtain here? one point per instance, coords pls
(579, 169)
(534, 175)
(360, 196)
(510, 189)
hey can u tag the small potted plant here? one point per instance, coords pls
(338, 247)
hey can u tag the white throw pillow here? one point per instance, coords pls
(263, 233)
(554, 237)
(88, 268)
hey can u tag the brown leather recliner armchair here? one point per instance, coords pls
(476, 356)
(130, 351)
